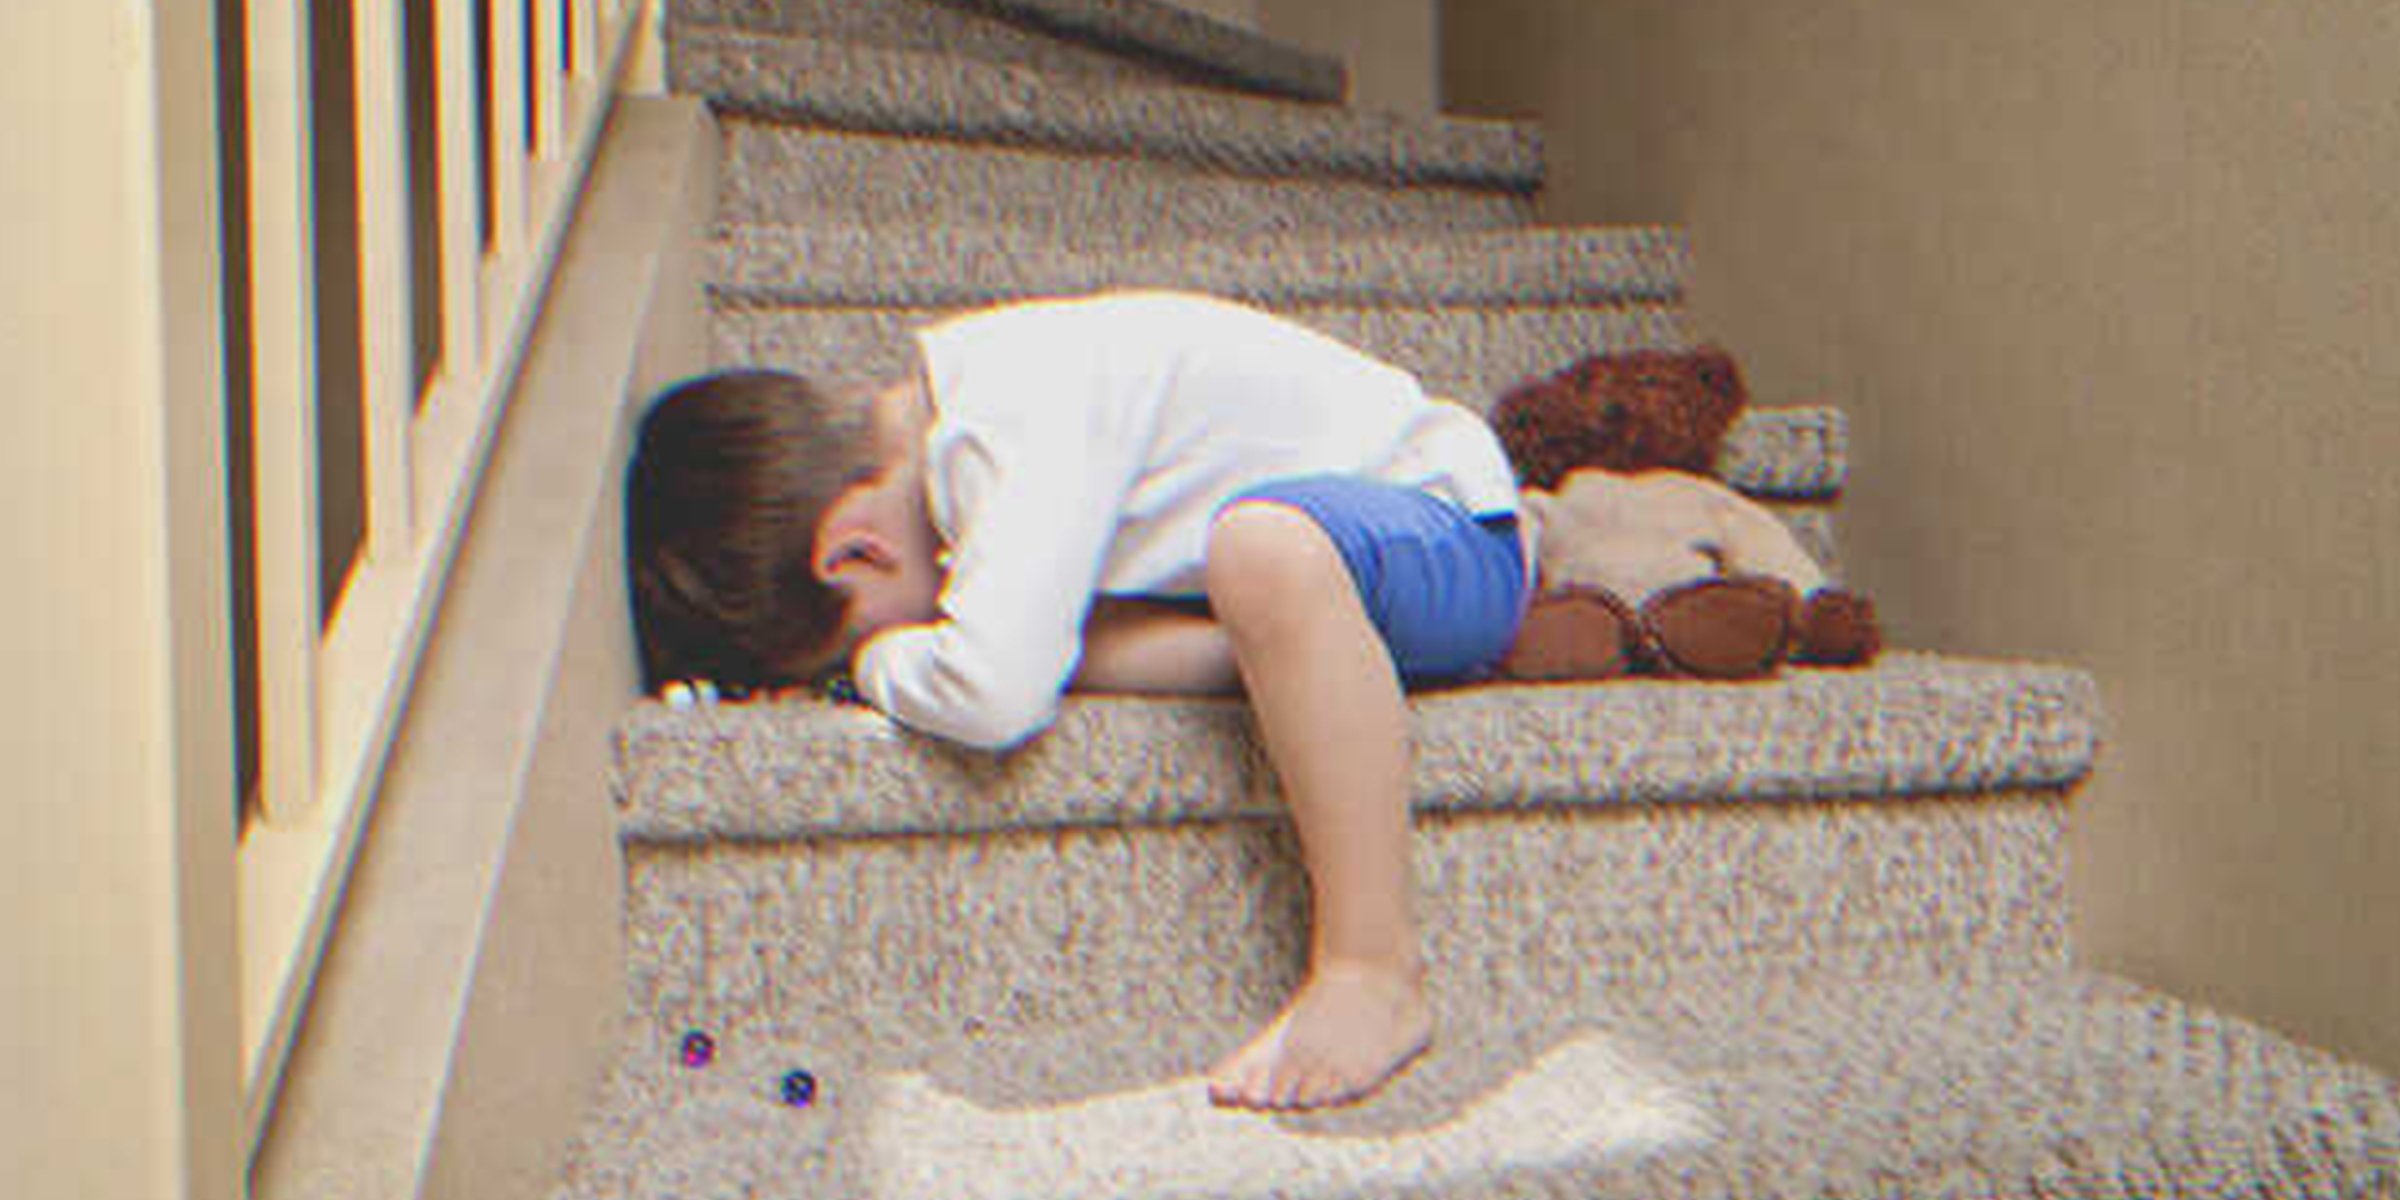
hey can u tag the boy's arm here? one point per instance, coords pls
(1141, 647)
(1032, 526)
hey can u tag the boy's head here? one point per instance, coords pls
(733, 481)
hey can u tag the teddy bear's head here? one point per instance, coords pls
(1631, 411)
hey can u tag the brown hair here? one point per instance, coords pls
(730, 478)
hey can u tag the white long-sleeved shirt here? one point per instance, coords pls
(1082, 447)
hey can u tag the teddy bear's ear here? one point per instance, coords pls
(1535, 424)
(1720, 376)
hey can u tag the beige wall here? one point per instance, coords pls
(118, 1033)
(2110, 292)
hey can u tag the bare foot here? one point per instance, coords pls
(1350, 1028)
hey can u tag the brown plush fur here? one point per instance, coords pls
(1836, 629)
(1623, 412)
(1574, 633)
(1734, 627)
(1634, 413)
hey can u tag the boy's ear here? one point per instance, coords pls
(851, 548)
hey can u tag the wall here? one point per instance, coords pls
(118, 1028)
(2109, 292)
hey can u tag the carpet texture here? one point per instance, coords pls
(1912, 724)
(1211, 48)
(923, 27)
(1470, 353)
(1773, 1085)
(964, 266)
(1126, 40)
(782, 173)
(893, 91)
(925, 936)
(1805, 937)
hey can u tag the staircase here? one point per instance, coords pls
(1806, 937)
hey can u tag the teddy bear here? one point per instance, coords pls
(1647, 564)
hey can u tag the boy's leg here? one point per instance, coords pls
(1329, 706)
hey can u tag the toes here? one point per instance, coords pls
(1284, 1087)
(1310, 1081)
(1334, 1088)
(1254, 1089)
(1313, 1088)
(1227, 1089)
(1241, 1082)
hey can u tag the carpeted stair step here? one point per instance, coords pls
(928, 27)
(838, 85)
(1124, 40)
(1469, 352)
(780, 173)
(1998, 1086)
(1209, 48)
(791, 853)
(967, 267)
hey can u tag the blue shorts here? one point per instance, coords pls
(1446, 589)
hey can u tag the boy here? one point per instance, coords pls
(1024, 513)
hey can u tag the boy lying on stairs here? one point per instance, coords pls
(1145, 491)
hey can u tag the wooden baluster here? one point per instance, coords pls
(284, 420)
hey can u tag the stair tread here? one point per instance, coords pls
(1911, 724)
(775, 172)
(2003, 1084)
(934, 27)
(862, 87)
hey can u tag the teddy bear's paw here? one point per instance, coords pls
(1836, 629)
(1734, 627)
(1571, 633)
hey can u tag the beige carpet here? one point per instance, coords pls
(1994, 1086)
(1583, 1099)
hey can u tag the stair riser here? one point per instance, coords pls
(927, 27)
(930, 936)
(1470, 354)
(782, 174)
(783, 267)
